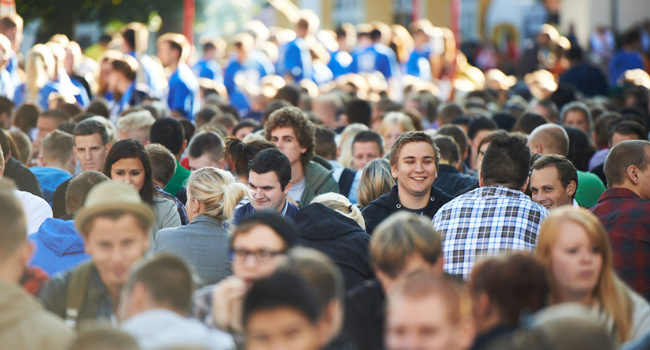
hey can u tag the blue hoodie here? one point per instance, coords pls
(59, 247)
(49, 178)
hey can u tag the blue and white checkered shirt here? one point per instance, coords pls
(486, 222)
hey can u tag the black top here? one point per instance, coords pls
(23, 177)
(58, 200)
(364, 316)
(483, 341)
(450, 180)
(389, 203)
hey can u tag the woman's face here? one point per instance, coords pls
(129, 171)
(393, 134)
(576, 263)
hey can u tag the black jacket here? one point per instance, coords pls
(58, 200)
(450, 180)
(23, 177)
(364, 316)
(389, 203)
(339, 237)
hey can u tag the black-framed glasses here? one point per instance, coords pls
(261, 256)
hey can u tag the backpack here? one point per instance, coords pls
(76, 295)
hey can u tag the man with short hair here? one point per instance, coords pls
(449, 111)
(121, 82)
(207, 66)
(183, 94)
(46, 123)
(553, 139)
(428, 302)
(58, 162)
(450, 180)
(293, 133)
(402, 245)
(269, 180)
(163, 166)
(25, 325)
(206, 149)
(553, 181)
(621, 130)
(114, 223)
(153, 305)
(414, 161)
(329, 108)
(366, 146)
(91, 146)
(14, 170)
(623, 211)
(496, 217)
(282, 311)
(6, 106)
(294, 62)
(459, 135)
(59, 246)
(136, 126)
(169, 133)
(577, 114)
(326, 148)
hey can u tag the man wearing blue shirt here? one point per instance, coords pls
(627, 58)
(341, 60)
(295, 60)
(150, 68)
(207, 66)
(418, 64)
(183, 95)
(11, 26)
(372, 56)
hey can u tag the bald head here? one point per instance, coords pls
(549, 139)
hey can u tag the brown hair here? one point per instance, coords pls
(622, 156)
(80, 185)
(13, 225)
(293, 117)
(163, 163)
(564, 167)
(58, 145)
(408, 137)
(238, 153)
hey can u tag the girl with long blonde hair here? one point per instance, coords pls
(40, 69)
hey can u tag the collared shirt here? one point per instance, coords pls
(179, 206)
(625, 217)
(486, 222)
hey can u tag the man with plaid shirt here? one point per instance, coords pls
(496, 217)
(623, 210)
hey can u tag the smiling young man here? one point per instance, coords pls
(414, 163)
(553, 181)
(91, 145)
(114, 223)
(293, 133)
(269, 180)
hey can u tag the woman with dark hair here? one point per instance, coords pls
(238, 153)
(580, 148)
(127, 162)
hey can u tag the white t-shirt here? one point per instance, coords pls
(296, 190)
(36, 210)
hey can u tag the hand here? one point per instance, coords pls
(227, 302)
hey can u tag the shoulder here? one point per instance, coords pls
(163, 204)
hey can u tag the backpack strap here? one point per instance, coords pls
(76, 295)
(346, 180)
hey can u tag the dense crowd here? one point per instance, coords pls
(359, 189)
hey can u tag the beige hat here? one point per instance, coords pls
(113, 196)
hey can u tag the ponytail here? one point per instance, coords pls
(218, 191)
(238, 153)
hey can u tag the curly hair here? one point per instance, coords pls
(293, 117)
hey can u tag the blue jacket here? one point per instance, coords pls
(59, 247)
(450, 180)
(248, 209)
(183, 93)
(49, 178)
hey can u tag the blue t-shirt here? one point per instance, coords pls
(377, 57)
(339, 63)
(150, 69)
(49, 178)
(208, 69)
(251, 71)
(183, 93)
(623, 61)
(418, 64)
(42, 98)
(295, 60)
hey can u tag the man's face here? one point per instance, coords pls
(475, 142)
(45, 126)
(286, 140)
(421, 323)
(412, 263)
(204, 161)
(282, 328)
(577, 119)
(267, 191)
(262, 241)
(164, 53)
(364, 152)
(415, 169)
(114, 245)
(326, 114)
(547, 188)
(618, 138)
(90, 152)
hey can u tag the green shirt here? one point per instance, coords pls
(589, 189)
(178, 180)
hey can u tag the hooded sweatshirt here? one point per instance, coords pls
(389, 203)
(337, 236)
(318, 180)
(25, 325)
(59, 247)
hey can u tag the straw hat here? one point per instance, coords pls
(113, 196)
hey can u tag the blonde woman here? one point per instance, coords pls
(40, 68)
(212, 195)
(332, 225)
(345, 143)
(392, 126)
(575, 249)
(376, 180)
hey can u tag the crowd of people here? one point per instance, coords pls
(308, 189)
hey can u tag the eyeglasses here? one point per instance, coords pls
(262, 256)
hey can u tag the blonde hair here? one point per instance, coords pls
(342, 205)
(218, 190)
(135, 121)
(395, 118)
(610, 292)
(39, 68)
(376, 180)
(57, 146)
(345, 143)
